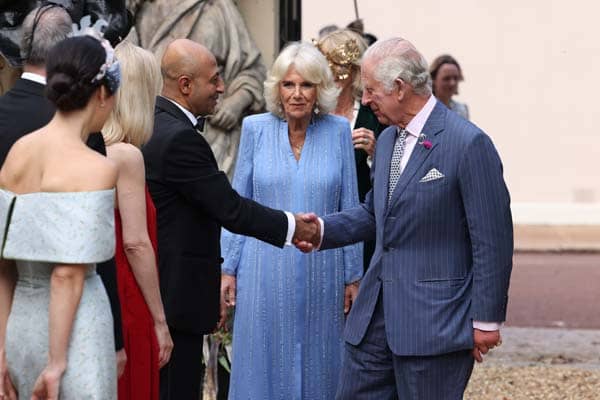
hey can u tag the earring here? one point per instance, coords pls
(317, 111)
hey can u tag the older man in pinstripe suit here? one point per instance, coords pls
(435, 294)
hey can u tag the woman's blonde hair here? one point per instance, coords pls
(132, 118)
(312, 66)
(345, 39)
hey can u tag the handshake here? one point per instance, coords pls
(307, 236)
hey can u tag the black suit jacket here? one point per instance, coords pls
(24, 109)
(193, 200)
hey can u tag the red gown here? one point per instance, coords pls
(140, 379)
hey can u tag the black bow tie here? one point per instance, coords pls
(200, 124)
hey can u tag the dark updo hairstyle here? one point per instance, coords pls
(71, 66)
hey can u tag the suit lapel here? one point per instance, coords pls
(433, 127)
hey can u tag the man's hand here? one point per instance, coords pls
(484, 341)
(231, 109)
(121, 361)
(350, 293)
(307, 236)
(228, 289)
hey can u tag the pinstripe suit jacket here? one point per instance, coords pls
(444, 248)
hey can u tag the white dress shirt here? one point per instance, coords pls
(30, 76)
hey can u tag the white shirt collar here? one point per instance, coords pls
(415, 126)
(30, 76)
(187, 113)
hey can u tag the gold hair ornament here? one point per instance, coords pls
(341, 58)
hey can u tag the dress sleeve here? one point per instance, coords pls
(232, 244)
(353, 254)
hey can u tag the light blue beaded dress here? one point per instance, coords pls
(38, 231)
(289, 311)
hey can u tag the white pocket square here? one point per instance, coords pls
(432, 175)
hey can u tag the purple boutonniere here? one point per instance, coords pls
(424, 141)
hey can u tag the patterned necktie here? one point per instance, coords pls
(396, 161)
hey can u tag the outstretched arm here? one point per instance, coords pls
(191, 168)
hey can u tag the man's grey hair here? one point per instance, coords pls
(398, 58)
(43, 28)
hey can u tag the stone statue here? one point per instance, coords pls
(218, 25)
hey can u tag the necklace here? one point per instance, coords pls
(297, 148)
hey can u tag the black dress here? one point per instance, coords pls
(366, 119)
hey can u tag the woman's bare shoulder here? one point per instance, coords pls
(125, 154)
(98, 172)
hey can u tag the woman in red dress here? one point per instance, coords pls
(147, 340)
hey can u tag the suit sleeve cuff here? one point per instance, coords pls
(487, 326)
(291, 228)
(322, 232)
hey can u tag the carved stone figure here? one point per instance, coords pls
(218, 25)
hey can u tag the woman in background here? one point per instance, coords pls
(290, 306)
(343, 50)
(445, 75)
(146, 336)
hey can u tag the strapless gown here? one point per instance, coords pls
(39, 231)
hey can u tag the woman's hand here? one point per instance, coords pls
(48, 383)
(165, 343)
(228, 289)
(350, 294)
(7, 389)
(121, 362)
(364, 139)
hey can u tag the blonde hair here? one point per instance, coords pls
(132, 118)
(338, 39)
(312, 66)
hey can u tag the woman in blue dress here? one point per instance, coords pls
(290, 306)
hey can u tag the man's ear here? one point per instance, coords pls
(400, 88)
(185, 84)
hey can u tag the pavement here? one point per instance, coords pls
(551, 339)
(553, 311)
(552, 289)
(575, 348)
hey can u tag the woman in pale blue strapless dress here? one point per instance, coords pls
(56, 223)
